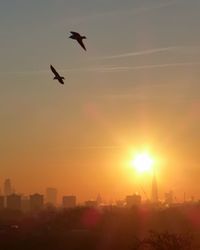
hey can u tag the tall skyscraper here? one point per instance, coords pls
(51, 196)
(154, 189)
(7, 187)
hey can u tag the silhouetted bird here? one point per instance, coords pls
(76, 36)
(57, 76)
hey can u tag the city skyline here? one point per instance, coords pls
(135, 89)
(52, 196)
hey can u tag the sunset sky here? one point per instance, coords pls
(136, 88)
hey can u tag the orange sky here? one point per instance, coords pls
(136, 87)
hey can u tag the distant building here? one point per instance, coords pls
(14, 202)
(133, 200)
(7, 187)
(25, 204)
(154, 190)
(69, 201)
(99, 199)
(2, 202)
(51, 196)
(169, 198)
(36, 202)
(91, 203)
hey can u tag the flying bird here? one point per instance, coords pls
(76, 36)
(57, 76)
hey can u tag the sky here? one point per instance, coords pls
(136, 88)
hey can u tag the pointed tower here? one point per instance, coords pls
(99, 199)
(154, 195)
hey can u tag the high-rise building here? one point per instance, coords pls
(14, 202)
(154, 189)
(51, 196)
(69, 201)
(7, 187)
(36, 202)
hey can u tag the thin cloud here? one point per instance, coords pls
(151, 66)
(180, 49)
(140, 53)
(107, 68)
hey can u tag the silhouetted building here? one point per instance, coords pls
(169, 198)
(133, 200)
(51, 196)
(2, 202)
(14, 202)
(154, 190)
(91, 203)
(36, 202)
(69, 201)
(99, 199)
(7, 187)
(25, 204)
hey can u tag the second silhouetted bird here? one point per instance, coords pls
(76, 36)
(57, 76)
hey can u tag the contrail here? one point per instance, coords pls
(151, 66)
(103, 68)
(140, 53)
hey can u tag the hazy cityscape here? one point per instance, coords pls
(100, 125)
(12, 200)
(40, 221)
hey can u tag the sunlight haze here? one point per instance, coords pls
(137, 85)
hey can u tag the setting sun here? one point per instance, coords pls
(142, 162)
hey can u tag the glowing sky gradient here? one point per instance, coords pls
(137, 86)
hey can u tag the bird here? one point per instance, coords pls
(57, 76)
(76, 36)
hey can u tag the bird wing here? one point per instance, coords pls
(74, 33)
(61, 80)
(80, 41)
(54, 71)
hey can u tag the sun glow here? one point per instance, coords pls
(142, 162)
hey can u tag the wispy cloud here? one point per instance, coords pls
(104, 68)
(148, 66)
(140, 53)
(188, 49)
